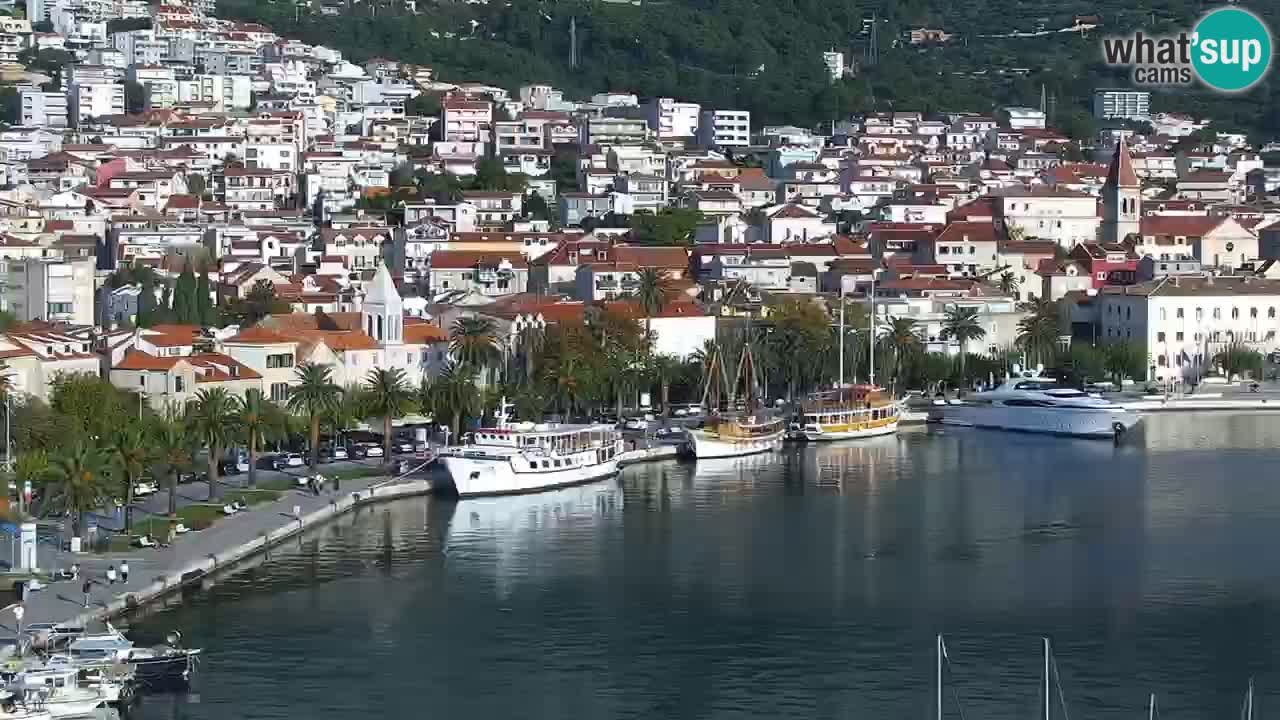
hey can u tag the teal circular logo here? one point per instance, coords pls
(1231, 49)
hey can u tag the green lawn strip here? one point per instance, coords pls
(253, 496)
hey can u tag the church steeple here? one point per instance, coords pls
(1121, 197)
(383, 310)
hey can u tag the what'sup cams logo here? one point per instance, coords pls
(1229, 50)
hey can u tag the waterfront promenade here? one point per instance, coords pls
(155, 572)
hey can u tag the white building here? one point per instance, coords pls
(725, 128)
(1063, 216)
(1110, 104)
(87, 100)
(44, 109)
(669, 118)
(834, 61)
(1022, 118)
(1185, 321)
(50, 289)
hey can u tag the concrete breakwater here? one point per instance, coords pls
(200, 567)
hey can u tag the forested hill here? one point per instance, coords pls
(766, 55)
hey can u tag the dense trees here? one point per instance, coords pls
(766, 56)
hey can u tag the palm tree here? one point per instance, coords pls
(962, 324)
(454, 394)
(651, 293)
(211, 417)
(903, 342)
(314, 396)
(389, 397)
(81, 481)
(531, 342)
(1009, 284)
(473, 343)
(665, 369)
(173, 447)
(256, 417)
(130, 451)
(1038, 331)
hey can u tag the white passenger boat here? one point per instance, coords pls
(528, 457)
(861, 411)
(1030, 402)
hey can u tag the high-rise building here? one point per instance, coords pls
(1109, 104)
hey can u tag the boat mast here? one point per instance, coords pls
(1151, 707)
(1248, 703)
(941, 652)
(840, 377)
(1046, 679)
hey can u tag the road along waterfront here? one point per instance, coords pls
(806, 584)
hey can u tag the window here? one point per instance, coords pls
(279, 392)
(179, 383)
(283, 360)
(1271, 312)
(1162, 361)
(1199, 314)
(1179, 313)
(1159, 337)
(1217, 313)
(1162, 314)
(1253, 312)
(1235, 313)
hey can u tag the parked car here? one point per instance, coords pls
(403, 447)
(340, 453)
(369, 450)
(636, 424)
(288, 460)
(144, 488)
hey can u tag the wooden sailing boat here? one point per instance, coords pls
(732, 432)
(847, 412)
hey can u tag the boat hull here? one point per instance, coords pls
(855, 432)
(163, 674)
(477, 477)
(77, 708)
(1084, 423)
(711, 445)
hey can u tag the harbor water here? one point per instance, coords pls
(806, 584)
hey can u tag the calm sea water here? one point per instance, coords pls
(807, 585)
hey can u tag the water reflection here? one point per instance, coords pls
(805, 583)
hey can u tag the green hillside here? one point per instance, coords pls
(766, 55)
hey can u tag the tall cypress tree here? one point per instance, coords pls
(185, 309)
(146, 302)
(205, 313)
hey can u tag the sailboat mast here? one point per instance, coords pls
(840, 340)
(1151, 707)
(1249, 711)
(1046, 679)
(941, 651)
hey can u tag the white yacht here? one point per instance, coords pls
(528, 457)
(1030, 402)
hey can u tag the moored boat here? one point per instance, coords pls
(734, 433)
(861, 411)
(526, 457)
(1030, 402)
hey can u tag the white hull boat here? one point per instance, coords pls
(710, 444)
(524, 457)
(1035, 404)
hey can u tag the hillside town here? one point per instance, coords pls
(350, 214)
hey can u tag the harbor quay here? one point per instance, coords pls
(157, 572)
